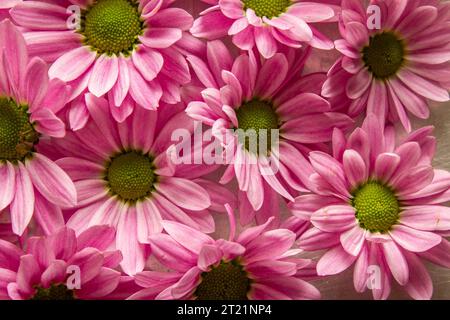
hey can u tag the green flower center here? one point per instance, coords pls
(131, 176)
(377, 207)
(112, 26)
(267, 8)
(55, 292)
(227, 281)
(384, 55)
(259, 116)
(17, 134)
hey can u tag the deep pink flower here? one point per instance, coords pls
(378, 206)
(43, 270)
(259, 264)
(129, 50)
(126, 179)
(391, 71)
(266, 24)
(30, 182)
(248, 93)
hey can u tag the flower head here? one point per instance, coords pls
(129, 50)
(378, 204)
(258, 264)
(32, 184)
(282, 109)
(391, 70)
(126, 179)
(61, 266)
(266, 24)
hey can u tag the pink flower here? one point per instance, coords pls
(268, 96)
(394, 69)
(61, 266)
(259, 264)
(267, 24)
(125, 178)
(130, 50)
(378, 206)
(31, 183)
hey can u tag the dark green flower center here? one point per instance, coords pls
(112, 26)
(384, 55)
(377, 207)
(131, 175)
(261, 117)
(267, 8)
(227, 281)
(17, 134)
(55, 292)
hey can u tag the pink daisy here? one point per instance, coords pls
(378, 206)
(259, 264)
(125, 178)
(246, 94)
(31, 183)
(268, 24)
(130, 50)
(392, 71)
(60, 266)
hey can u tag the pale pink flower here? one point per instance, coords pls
(259, 264)
(265, 24)
(61, 266)
(31, 184)
(392, 71)
(378, 205)
(126, 179)
(135, 57)
(249, 93)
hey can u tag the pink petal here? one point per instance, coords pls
(22, 206)
(334, 261)
(419, 286)
(73, 64)
(414, 240)
(104, 75)
(184, 193)
(396, 262)
(209, 255)
(353, 240)
(51, 181)
(334, 218)
(8, 178)
(148, 62)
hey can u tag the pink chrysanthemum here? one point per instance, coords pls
(61, 266)
(30, 182)
(378, 205)
(259, 264)
(391, 71)
(131, 50)
(266, 24)
(264, 95)
(125, 178)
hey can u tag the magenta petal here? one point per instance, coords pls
(414, 240)
(334, 261)
(22, 206)
(209, 255)
(51, 181)
(396, 262)
(8, 178)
